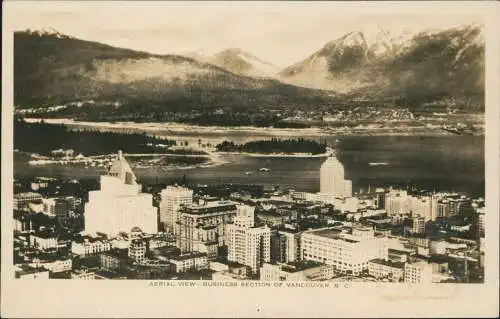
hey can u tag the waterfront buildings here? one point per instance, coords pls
(120, 205)
(172, 198)
(332, 179)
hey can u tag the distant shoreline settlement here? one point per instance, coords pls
(119, 229)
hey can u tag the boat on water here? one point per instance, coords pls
(378, 163)
(248, 173)
(263, 169)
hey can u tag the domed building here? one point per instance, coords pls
(119, 205)
(332, 180)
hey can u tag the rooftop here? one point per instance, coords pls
(388, 263)
(188, 256)
(209, 207)
(328, 232)
(300, 266)
(26, 270)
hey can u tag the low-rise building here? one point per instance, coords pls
(114, 260)
(348, 253)
(28, 272)
(89, 246)
(190, 261)
(82, 274)
(380, 268)
(43, 240)
(418, 272)
(298, 271)
(53, 265)
(22, 200)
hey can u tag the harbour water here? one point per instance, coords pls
(446, 163)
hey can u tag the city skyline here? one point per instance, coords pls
(348, 156)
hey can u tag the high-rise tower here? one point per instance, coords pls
(332, 177)
(120, 205)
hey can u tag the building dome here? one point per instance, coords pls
(136, 229)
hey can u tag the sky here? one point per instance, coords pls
(281, 33)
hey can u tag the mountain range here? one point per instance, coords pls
(447, 65)
(239, 62)
(428, 66)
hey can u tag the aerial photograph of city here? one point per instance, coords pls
(264, 145)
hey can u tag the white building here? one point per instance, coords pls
(56, 265)
(250, 246)
(380, 268)
(27, 272)
(348, 253)
(49, 206)
(191, 261)
(89, 246)
(82, 274)
(419, 272)
(347, 188)
(418, 225)
(119, 205)
(332, 177)
(43, 240)
(397, 202)
(22, 200)
(303, 271)
(172, 198)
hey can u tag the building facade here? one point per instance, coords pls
(418, 272)
(348, 253)
(119, 205)
(250, 246)
(172, 198)
(332, 178)
(203, 227)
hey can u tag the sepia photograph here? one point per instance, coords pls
(238, 147)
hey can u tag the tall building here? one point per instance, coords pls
(250, 246)
(421, 206)
(62, 207)
(137, 250)
(172, 198)
(120, 205)
(397, 202)
(285, 247)
(203, 227)
(332, 177)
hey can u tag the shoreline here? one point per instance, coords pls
(179, 128)
(279, 155)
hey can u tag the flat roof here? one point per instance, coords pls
(329, 233)
(188, 256)
(395, 264)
